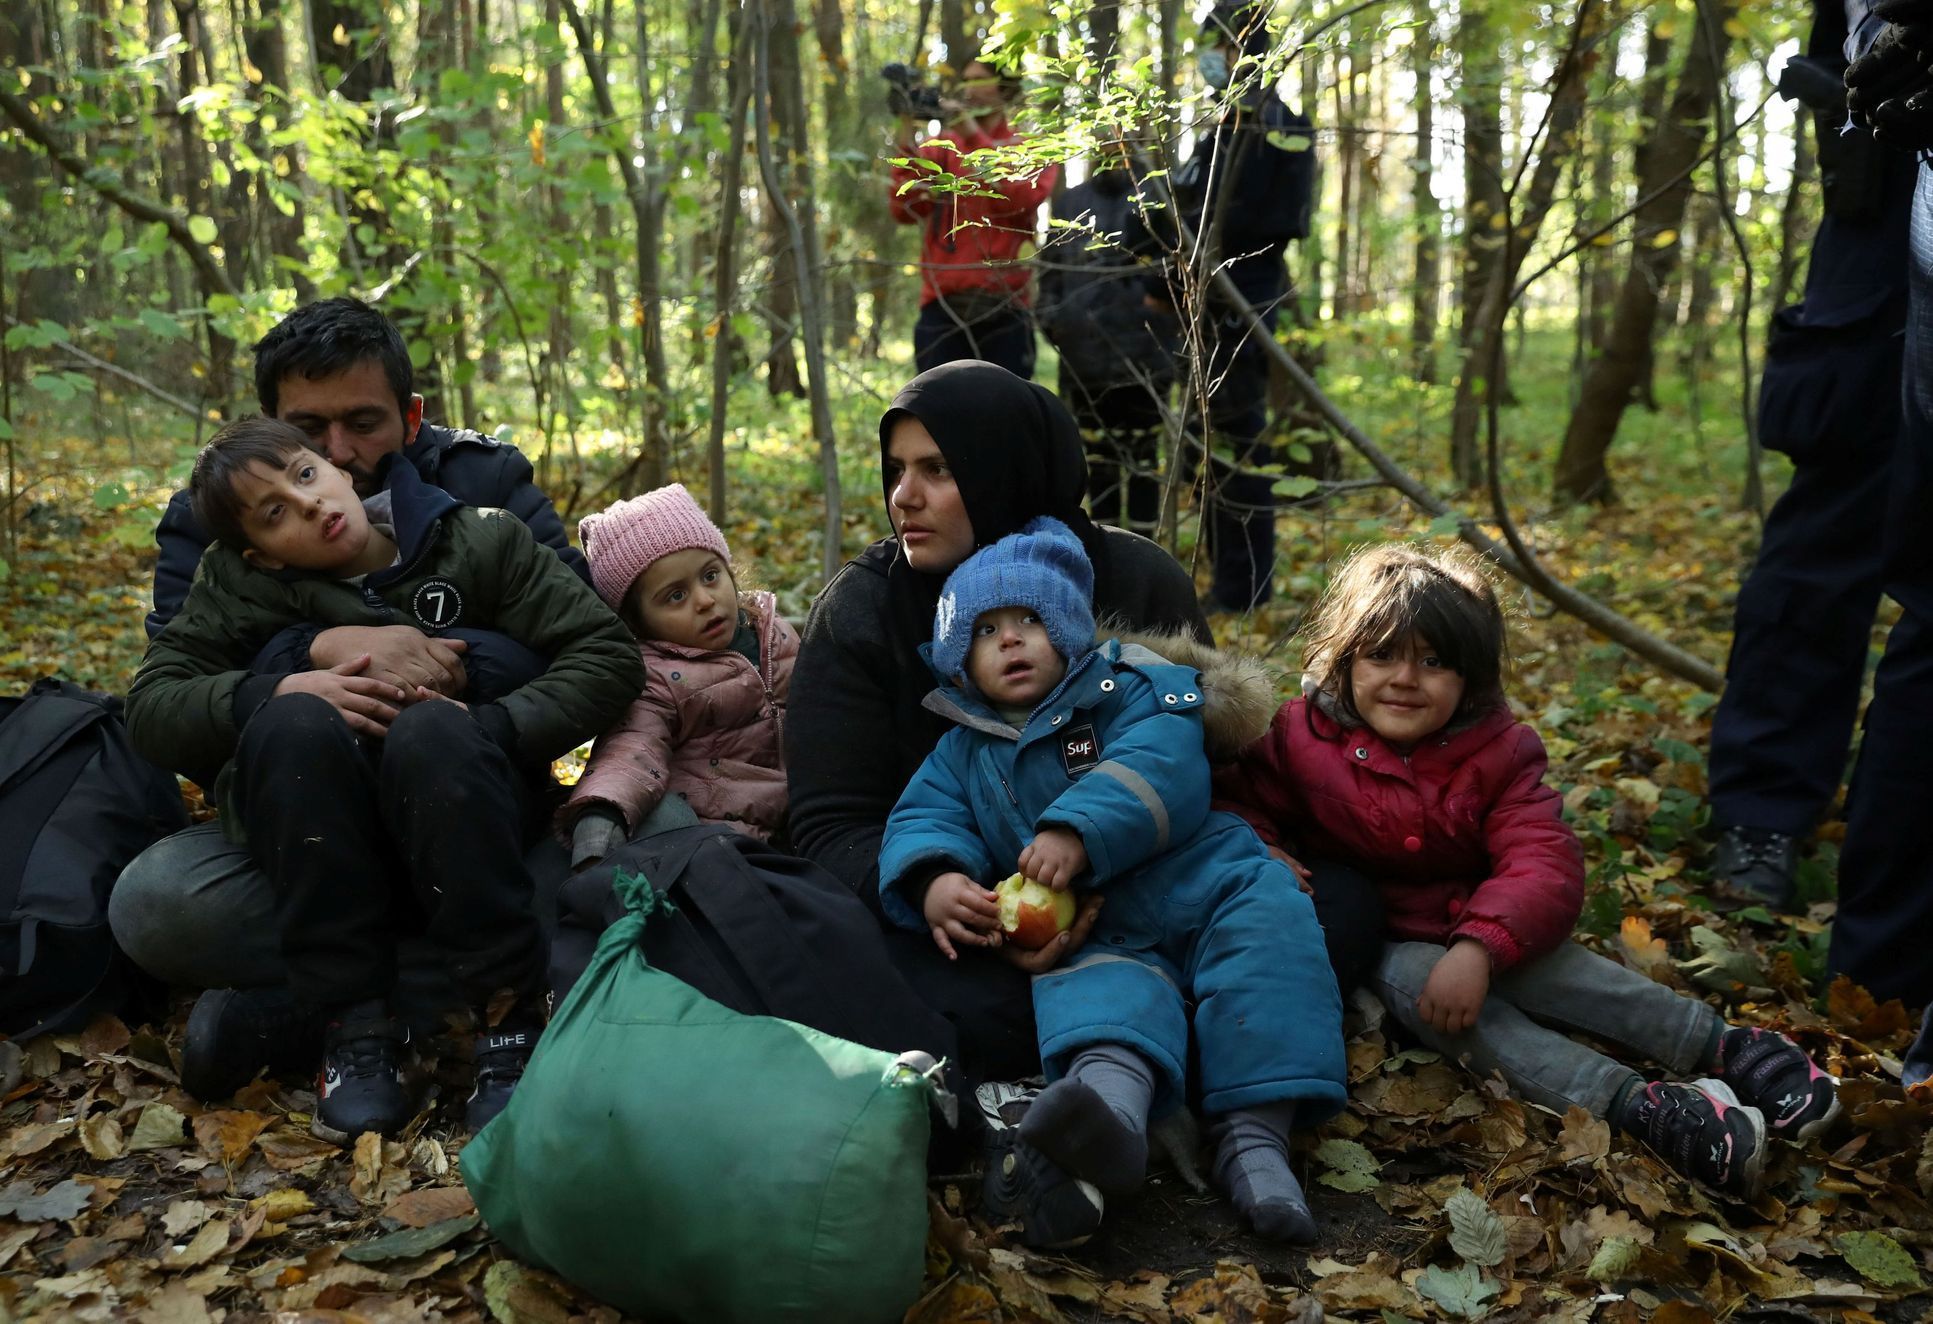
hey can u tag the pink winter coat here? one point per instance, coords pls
(1462, 835)
(709, 726)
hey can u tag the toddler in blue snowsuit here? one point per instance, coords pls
(1083, 766)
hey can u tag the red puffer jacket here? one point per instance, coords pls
(970, 240)
(1462, 834)
(709, 725)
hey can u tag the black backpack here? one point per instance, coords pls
(76, 804)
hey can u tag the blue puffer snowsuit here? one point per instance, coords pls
(1196, 911)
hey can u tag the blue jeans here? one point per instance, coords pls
(1522, 1031)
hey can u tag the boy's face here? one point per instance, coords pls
(305, 516)
(1404, 691)
(687, 598)
(1011, 660)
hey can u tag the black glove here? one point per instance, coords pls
(1890, 87)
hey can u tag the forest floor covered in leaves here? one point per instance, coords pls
(1439, 1196)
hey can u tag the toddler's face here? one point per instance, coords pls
(1011, 660)
(687, 598)
(1404, 692)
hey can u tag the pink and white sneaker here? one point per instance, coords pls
(1703, 1132)
(1774, 1075)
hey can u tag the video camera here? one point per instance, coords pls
(907, 93)
(1814, 84)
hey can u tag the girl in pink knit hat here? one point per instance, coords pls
(704, 742)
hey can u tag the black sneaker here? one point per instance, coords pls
(501, 1056)
(1003, 1103)
(233, 1033)
(361, 1086)
(1774, 1075)
(1054, 1210)
(1757, 865)
(1703, 1132)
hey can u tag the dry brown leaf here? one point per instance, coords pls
(289, 1151)
(1143, 1297)
(104, 1035)
(183, 1216)
(1606, 1223)
(1583, 1136)
(1854, 1010)
(432, 1204)
(13, 1236)
(377, 1180)
(101, 1137)
(960, 1299)
(1371, 1286)
(1641, 951)
(209, 1242)
(177, 1303)
(279, 1206)
(226, 1133)
(34, 1139)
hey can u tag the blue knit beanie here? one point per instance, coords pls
(1043, 568)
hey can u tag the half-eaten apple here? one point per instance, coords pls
(1033, 914)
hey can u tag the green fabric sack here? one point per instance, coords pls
(680, 1160)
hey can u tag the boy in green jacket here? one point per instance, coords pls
(362, 831)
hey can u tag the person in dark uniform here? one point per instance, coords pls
(1829, 399)
(1105, 311)
(1246, 191)
(1885, 869)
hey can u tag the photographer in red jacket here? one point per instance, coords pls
(974, 298)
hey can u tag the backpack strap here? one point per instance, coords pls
(42, 725)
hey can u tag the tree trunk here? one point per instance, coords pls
(268, 50)
(1348, 144)
(961, 45)
(738, 97)
(1601, 281)
(1480, 99)
(782, 375)
(1426, 217)
(1665, 187)
(1651, 108)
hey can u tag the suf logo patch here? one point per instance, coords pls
(1079, 750)
(437, 604)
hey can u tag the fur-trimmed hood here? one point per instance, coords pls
(1238, 691)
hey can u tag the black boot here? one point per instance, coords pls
(233, 1033)
(1757, 865)
(502, 1053)
(361, 1088)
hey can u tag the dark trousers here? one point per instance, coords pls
(1801, 634)
(1879, 935)
(365, 840)
(1238, 515)
(997, 329)
(991, 1003)
(1122, 428)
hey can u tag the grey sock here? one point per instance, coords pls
(1094, 1120)
(1252, 1165)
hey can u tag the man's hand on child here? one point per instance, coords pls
(423, 694)
(1054, 858)
(400, 654)
(1059, 949)
(959, 910)
(1452, 997)
(368, 705)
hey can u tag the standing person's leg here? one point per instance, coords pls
(934, 332)
(1800, 637)
(1885, 870)
(306, 795)
(1239, 517)
(451, 800)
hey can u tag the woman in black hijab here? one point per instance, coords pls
(969, 453)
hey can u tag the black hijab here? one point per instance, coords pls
(1015, 453)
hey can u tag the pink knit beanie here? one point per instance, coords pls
(627, 537)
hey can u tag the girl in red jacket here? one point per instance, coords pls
(705, 741)
(1403, 758)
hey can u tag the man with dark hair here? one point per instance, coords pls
(194, 909)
